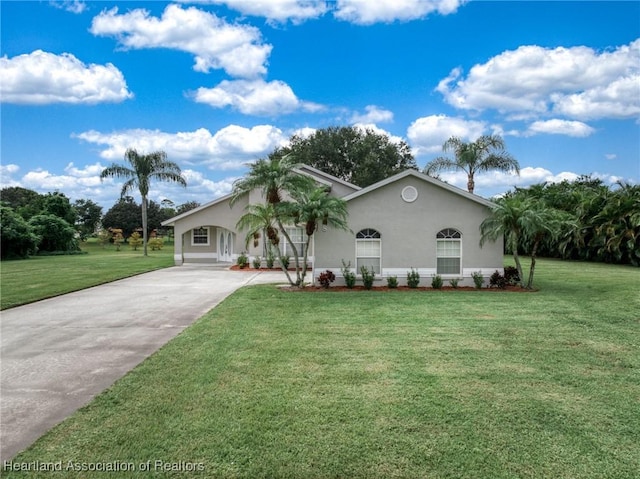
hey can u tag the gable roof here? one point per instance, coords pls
(423, 177)
(171, 221)
(324, 178)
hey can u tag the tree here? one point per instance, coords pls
(25, 202)
(361, 157)
(485, 154)
(505, 220)
(55, 233)
(88, 215)
(275, 177)
(312, 209)
(124, 215)
(523, 220)
(18, 239)
(143, 169)
(59, 205)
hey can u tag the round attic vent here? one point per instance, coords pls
(409, 194)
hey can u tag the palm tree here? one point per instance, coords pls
(274, 176)
(313, 208)
(144, 169)
(277, 178)
(505, 220)
(485, 154)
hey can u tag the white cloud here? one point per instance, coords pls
(560, 127)
(73, 6)
(276, 11)
(367, 12)
(228, 148)
(42, 78)
(216, 44)
(427, 134)
(254, 97)
(578, 82)
(373, 114)
(611, 156)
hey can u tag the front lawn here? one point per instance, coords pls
(381, 384)
(27, 280)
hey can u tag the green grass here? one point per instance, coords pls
(40, 277)
(440, 384)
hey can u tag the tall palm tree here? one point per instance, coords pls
(143, 169)
(274, 176)
(278, 180)
(313, 208)
(485, 154)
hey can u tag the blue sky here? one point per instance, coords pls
(219, 83)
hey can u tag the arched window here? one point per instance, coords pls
(449, 252)
(368, 250)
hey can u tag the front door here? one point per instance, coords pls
(225, 245)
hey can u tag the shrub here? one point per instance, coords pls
(511, 275)
(349, 276)
(18, 238)
(243, 261)
(413, 278)
(271, 259)
(436, 282)
(497, 280)
(326, 278)
(257, 262)
(156, 244)
(392, 282)
(135, 240)
(284, 261)
(454, 282)
(478, 279)
(367, 277)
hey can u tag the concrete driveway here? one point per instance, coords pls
(57, 354)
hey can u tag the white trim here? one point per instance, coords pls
(200, 256)
(485, 271)
(427, 179)
(450, 275)
(409, 194)
(208, 243)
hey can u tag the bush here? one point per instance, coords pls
(326, 278)
(436, 282)
(349, 276)
(496, 280)
(367, 277)
(155, 244)
(54, 232)
(454, 282)
(18, 238)
(284, 261)
(392, 282)
(478, 279)
(135, 240)
(511, 275)
(257, 262)
(413, 278)
(271, 259)
(243, 261)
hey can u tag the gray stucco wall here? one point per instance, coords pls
(408, 231)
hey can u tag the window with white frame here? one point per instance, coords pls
(200, 236)
(369, 250)
(449, 251)
(298, 238)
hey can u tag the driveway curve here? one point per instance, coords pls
(58, 354)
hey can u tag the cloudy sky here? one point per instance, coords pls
(219, 83)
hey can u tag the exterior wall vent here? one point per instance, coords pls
(409, 194)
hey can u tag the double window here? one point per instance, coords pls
(297, 236)
(200, 236)
(368, 250)
(449, 251)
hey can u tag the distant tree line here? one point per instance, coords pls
(603, 221)
(34, 223)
